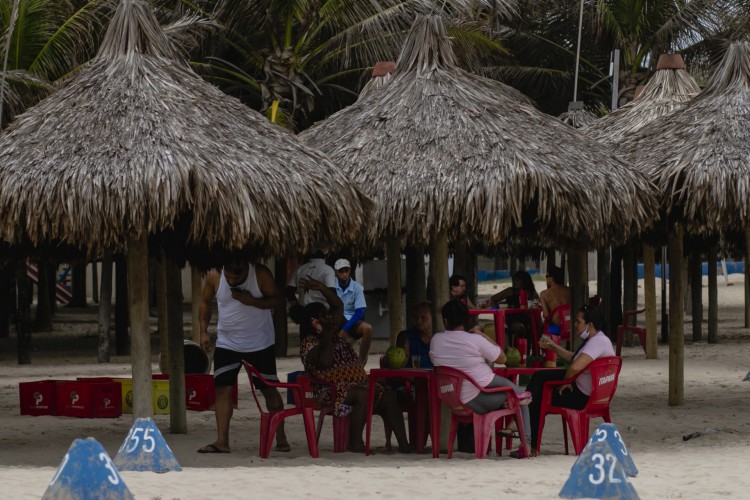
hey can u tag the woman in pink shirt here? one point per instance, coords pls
(474, 354)
(596, 344)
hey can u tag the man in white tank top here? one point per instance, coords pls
(246, 295)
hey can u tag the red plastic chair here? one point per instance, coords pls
(340, 424)
(449, 389)
(563, 312)
(605, 373)
(627, 327)
(269, 421)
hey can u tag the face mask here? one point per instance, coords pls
(585, 333)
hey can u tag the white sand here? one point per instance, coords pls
(709, 466)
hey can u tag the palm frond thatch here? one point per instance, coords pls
(577, 116)
(699, 155)
(667, 90)
(137, 144)
(442, 149)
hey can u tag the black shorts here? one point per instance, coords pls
(227, 365)
(353, 331)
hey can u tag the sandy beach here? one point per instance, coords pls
(712, 465)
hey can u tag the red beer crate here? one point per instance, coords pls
(38, 398)
(89, 399)
(199, 392)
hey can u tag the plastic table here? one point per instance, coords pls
(534, 313)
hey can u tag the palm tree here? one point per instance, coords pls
(304, 59)
(50, 40)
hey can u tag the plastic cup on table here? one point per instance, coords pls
(416, 361)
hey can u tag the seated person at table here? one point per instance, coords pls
(589, 324)
(519, 325)
(473, 353)
(556, 295)
(458, 290)
(416, 340)
(329, 358)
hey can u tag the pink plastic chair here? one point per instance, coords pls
(269, 421)
(340, 424)
(605, 373)
(485, 425)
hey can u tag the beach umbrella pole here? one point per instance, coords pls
(140, 341)
(676, 304)
(713, 297)
(395, 302)
(649, 288)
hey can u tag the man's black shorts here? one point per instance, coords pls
(227, 365)
(354, 330)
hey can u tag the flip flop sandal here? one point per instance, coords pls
(212, 448)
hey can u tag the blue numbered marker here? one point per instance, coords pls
(598, 474)
(87, 473)
(145, 449)
(610, 434)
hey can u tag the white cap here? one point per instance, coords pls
(341, 264)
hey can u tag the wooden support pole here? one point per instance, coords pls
(6, 274)
(416, 287)
(713, 296)
(196, 289)
(579, 279)
(649, 287)
(23, 314)
(43, 319)
(439, 274)
(79, 286)
(395, 307)
(280, 323)
(140, 338)
(628, 263)
(160, 284)
(176, 349)
(676, 317)
(122, 317)
(440, 294)
(615, 289)
(696, 294)
(747, 278)
(95, 281)
(105, 309)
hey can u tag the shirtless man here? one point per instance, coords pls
(556, 295)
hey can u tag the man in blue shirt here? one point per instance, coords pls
(352, 295)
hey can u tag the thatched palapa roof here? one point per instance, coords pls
(577, 116)
(138, 143)
(700, 155)
(441, 149)
(670, 88)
